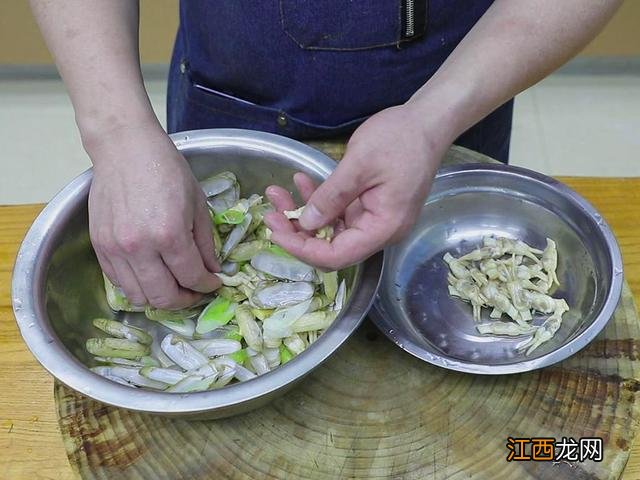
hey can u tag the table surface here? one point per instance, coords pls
(30, 441)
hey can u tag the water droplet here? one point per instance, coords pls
(31, 325)
(391, 331)
(186, 137)
(617, 271)
(17, 303)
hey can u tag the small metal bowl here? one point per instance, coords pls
(414, 308)
(58, 289)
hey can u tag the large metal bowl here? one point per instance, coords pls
(414, 308)
(57, 285)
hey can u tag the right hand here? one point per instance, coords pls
(148, 219)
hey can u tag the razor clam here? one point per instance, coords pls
(116, 298)
(230, 267)
(182, 352)
(295, 344)
(249, 328)
(156, 349)
(164, 375)
(113, 378)
(279, 325)
(255, 275)
(243, 374)
(140, 362)
(272, 342)
(233, 215)
(259, 363)
(341, 295)
(280, 294)
(263, 232)
(243, 252)
(319, 301)
(185, 327)
(495, 298)
(192, 383)
(294, 214)
(219, 312)
(262, 313)
(214, 347)
(329, 284)
(550, 262)
(226, 331)
(158, 314)
(257, 213)
(217, 240)
(284, 267)
(325, 233)
(285, 354)
(231, 293)
(129, 375)
(312, 321)
(224, 201)
(120, 330)
(505, 328)
(117, 347)
(458, 267)
(228, 370)
(544, 333)
(219, 183)
(235, 236)
(208, 370)
(272, 355)
(236, 280)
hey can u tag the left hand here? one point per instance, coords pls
(377, 190)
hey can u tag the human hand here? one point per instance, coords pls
(376, 191)
(148, 219)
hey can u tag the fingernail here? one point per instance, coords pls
(311, 218)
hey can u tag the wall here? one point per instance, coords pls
(21, 44)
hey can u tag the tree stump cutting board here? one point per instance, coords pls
(373, 411)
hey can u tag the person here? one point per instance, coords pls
(406, 77)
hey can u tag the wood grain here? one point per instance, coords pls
(30, 442)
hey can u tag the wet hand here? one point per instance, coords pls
(148, 220)
(374, 195)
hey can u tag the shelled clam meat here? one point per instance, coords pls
(270, 308)
(514, 280)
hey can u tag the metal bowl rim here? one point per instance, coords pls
(564, 351)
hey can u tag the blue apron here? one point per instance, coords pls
(316, 69)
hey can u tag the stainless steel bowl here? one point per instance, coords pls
(414, 308)
(57, 286)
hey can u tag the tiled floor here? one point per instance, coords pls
(566, 125)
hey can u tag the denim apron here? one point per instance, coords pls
(316, 69)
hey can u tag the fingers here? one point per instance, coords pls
(106, 266)
(126, 279)
(159, 285)
(276, 221)
(305, 186)
(350, 246)
(204, 240)
(188, 269)
(332, 197)
(280, 198)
